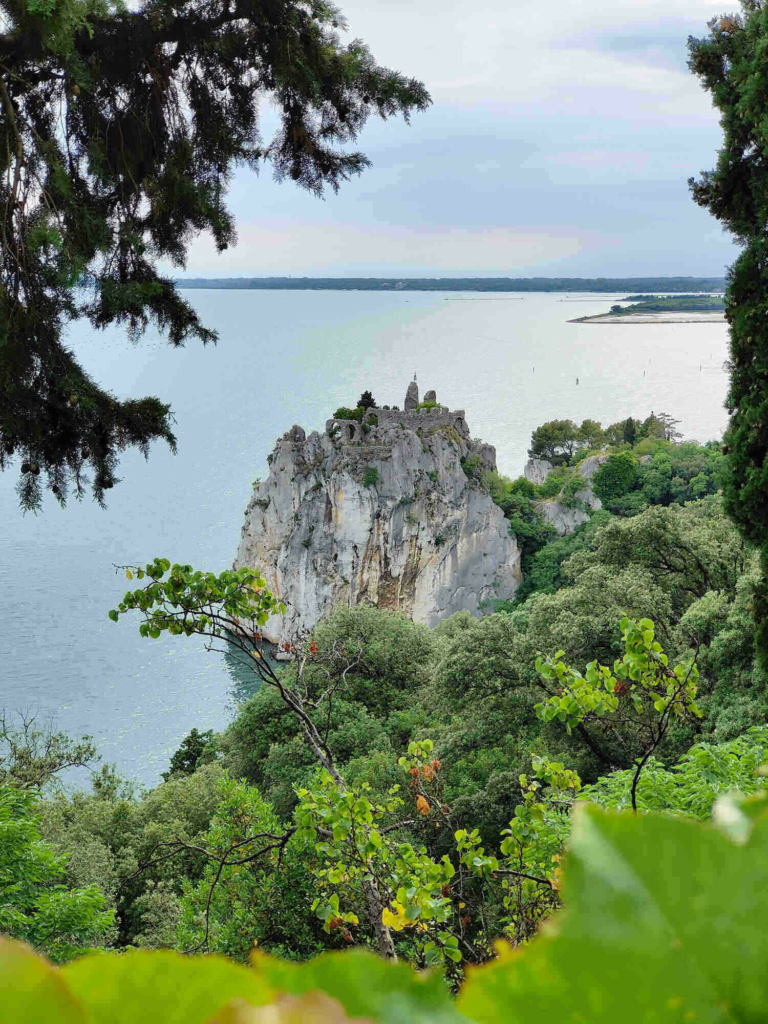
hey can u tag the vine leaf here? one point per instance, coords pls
(32, 989)
(665, 922)
(159, 986)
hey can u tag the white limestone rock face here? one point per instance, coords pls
(537, 470)
(590, 466)
(420, 538)
(565, 518)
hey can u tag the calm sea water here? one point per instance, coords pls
(284, 358)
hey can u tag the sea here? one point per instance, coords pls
(510, 361)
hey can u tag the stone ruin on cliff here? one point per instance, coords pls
(411, 417)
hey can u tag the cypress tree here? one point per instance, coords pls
(731, 64)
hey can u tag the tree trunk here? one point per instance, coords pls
(373, 902)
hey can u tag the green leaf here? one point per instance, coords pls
(31, 990)
(159, 986)
(366, 986)
(665, 921)
(114, 615)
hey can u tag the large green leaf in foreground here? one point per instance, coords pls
(139, 987)
(32, 990)
(666, 921)
(366, 987)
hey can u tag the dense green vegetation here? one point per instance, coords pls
(641, 463)
(730, 65)
(410, 789)
(559, 441)
(668, 304)
(462, 284)
(642, 304)
(415, 791)
(592, 753)
(642, 896)
(652, 298)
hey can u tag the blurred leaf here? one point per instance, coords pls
(366, 986)
(31, 990)
(312, 1008)
(665, 922)
(144, 987)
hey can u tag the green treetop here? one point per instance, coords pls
(730, 64)
(119, 131)
(35, 904)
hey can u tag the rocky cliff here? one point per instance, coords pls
(566, 515)
(390, 511)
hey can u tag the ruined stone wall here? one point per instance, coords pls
(425, 418)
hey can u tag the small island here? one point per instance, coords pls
(668, 309)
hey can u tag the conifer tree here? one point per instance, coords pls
(730, 63)
(119, 131)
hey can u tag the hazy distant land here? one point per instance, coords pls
(462, 284)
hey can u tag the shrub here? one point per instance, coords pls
(555, 482)
(472, 466)
(343, 413)
(568, 495)
(523, 487)
(637, 942)
(428, 405)
(370, 477)
(616, 477)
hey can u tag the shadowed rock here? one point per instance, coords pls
(537, 470)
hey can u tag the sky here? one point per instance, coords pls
(559, 143)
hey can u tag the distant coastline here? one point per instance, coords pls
(653, 318)
(667, 309)
(460, 284)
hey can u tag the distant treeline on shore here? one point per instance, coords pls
(463, 284)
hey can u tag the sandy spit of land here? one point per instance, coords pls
(714, 317)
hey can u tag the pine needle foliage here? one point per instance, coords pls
(120, 128)
(730, 63)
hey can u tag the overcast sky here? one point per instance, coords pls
(559, 142)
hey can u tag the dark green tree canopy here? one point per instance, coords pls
(730, 63)
(119, 131)
(554, 441)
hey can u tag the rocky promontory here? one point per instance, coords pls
(566, 513)
(388, 510)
